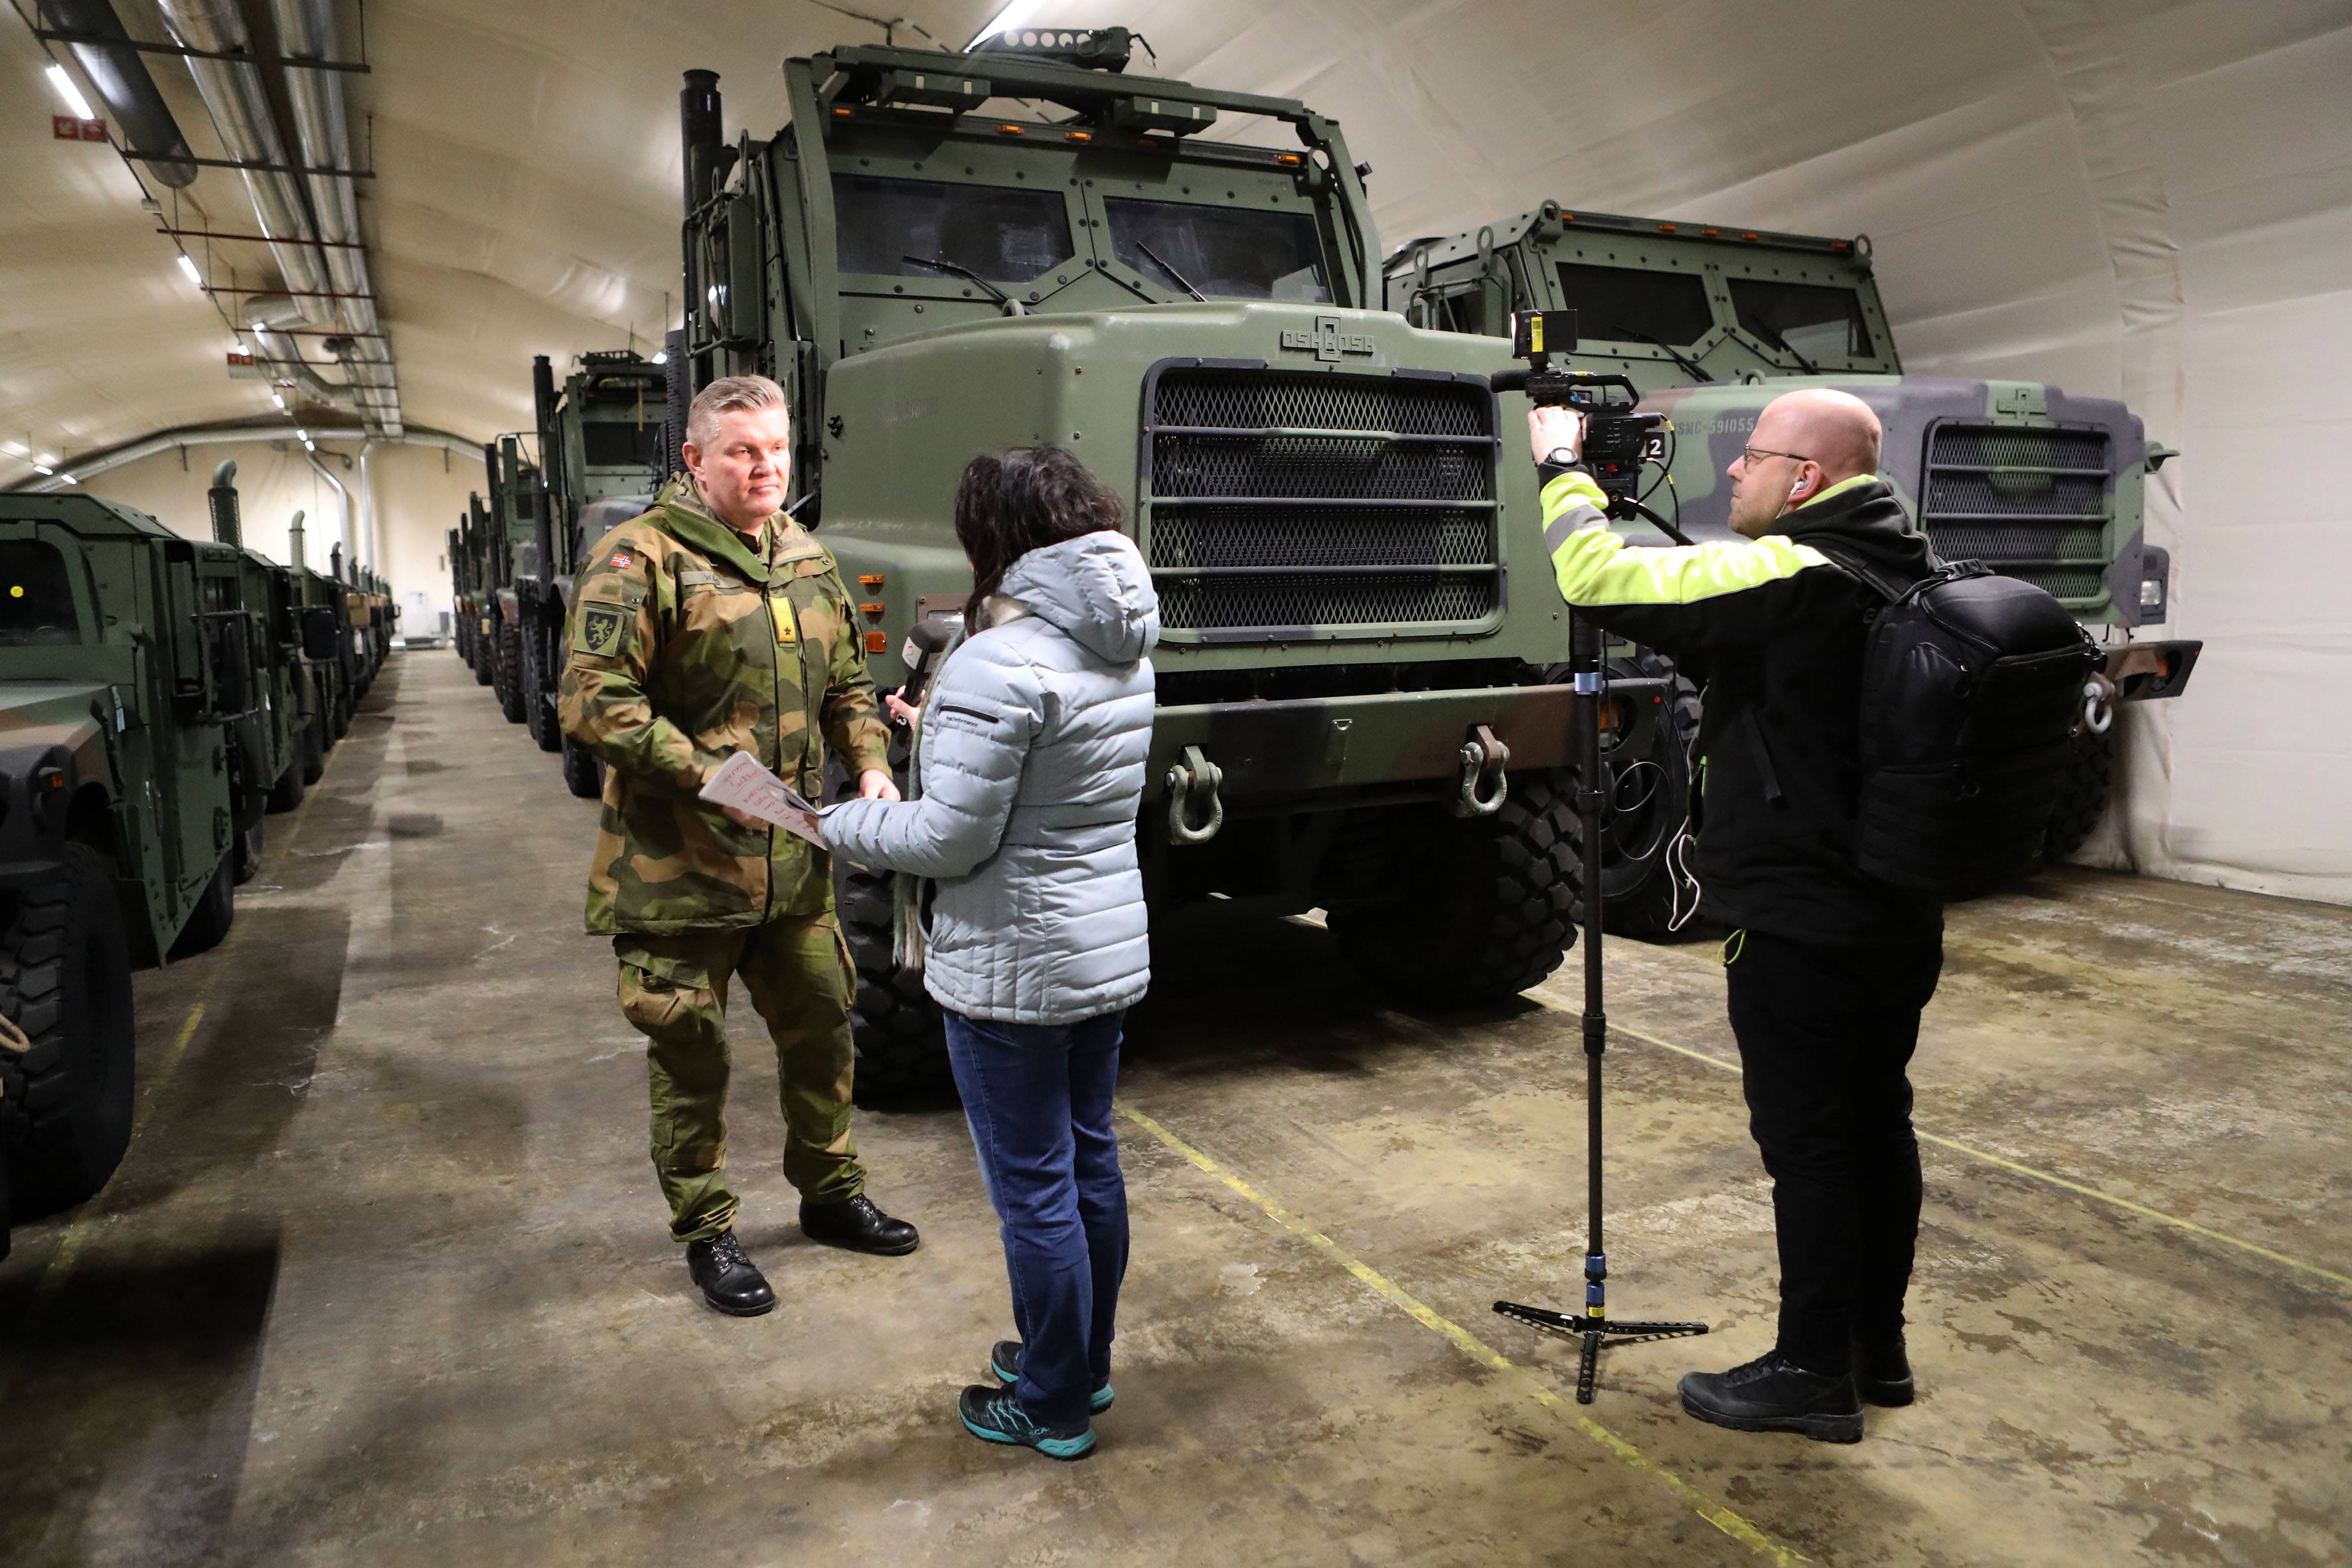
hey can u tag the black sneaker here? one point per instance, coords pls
(731, 1281)
(857, 1225)
(993, 1415)
(1882, 1371)
(1005, 1361)
(1773, 1393)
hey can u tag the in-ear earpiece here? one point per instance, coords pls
(1795, 487)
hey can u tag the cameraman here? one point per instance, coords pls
(1827, 971)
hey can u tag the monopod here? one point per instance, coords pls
(1619, 441)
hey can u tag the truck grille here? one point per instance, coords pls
(1280, 500)
(2030, 503)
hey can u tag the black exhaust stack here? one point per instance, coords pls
(227, 527)
(700, 131)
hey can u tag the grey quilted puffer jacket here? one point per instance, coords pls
(1034, 738)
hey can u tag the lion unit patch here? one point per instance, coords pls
(602, 631)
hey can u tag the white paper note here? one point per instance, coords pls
(742, 783)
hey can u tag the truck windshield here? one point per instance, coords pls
(1619, 304)
(1219, 251)
(1816, 320)
(608, 444)
(1004, 234)
(35, 597)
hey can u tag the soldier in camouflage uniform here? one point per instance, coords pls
(710, 625)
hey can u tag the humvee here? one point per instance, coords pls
(1712, 321)
(280, 744)
(1359, 706)
(129, 660)
(510, 553)
(600, 444)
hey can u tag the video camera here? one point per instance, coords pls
(1620, 438)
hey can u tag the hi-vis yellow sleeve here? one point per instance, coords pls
(1594, 568)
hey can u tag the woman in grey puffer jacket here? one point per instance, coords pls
(1034, 742)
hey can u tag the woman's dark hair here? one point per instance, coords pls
(1024, 499)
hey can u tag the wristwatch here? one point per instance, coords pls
(1560, 457)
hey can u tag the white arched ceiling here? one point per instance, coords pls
(2134, 198)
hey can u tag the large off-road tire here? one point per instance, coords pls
(65, 980)
(1486, 904)
(484, 661)
(2083, 798)
(338, 713)
(508, 683)
(1650, 774)
(584, 771)
(902, 1043)
(287, 794)
(461, 634)
(314, 749)
(539, 697)
(215, 912)
(244, 855)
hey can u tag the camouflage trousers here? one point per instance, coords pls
(674, 989)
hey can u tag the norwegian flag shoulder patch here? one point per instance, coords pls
(624, 559)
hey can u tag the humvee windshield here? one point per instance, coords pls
(608, 444)
(35, 597)
(1618, 303)
(1813, 319)
(1221, 251)
(1003, 233)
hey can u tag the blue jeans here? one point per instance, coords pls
(1038, 1098)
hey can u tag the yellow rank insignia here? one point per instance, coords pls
(788, 626)
(602, 631)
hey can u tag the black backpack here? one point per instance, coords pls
(1972, 686)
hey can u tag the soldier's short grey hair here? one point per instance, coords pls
(728, 394)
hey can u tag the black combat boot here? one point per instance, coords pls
(859, 1226)
(1882, 1371)
(1773, 1394)
(731, 1281)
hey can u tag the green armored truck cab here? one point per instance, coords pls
(511, 557)
(280, 744)
(1359, 704)
(1712, 321)
(128, 662)
(600, 447)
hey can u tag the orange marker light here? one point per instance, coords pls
(871, 580)
(1077, 135)
(878, 642)
(1293, 159)
(1665, 228)
(842, 113)
(871, 609)
(1751, 237)
(1009, 131)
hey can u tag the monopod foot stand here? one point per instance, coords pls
(1594, 1328)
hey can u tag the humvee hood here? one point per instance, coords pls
(1095, 589)
(26, 704)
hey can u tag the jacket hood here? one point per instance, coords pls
(1866, 523)
(1095, 589)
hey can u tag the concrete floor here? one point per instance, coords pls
(383, 1279)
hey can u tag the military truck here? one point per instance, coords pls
(127, 660)
(279, 746)
(511, 556)
(323, 611)
(600, 449)
(942, 254)
(469, 574)
(1712, 321)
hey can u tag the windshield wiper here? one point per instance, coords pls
(1011, 306)
(1785, 346)
(1162, 263)
(1614, 331)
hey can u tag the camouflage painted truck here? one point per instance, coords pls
(468, 573)
(128, 659)
(600, 447)
(510, 552)
(1356, 708)
(1712, 322)
(323, 611)
(279, 745)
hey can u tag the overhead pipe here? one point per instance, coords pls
(306, 30)
(233, 93)
(119, 78)
(294, 543)
(84, 466)
(340, 489)
(264, 315)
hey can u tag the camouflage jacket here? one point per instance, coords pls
(687, 644)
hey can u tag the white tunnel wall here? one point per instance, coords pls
(2129, 198)
(417, 501)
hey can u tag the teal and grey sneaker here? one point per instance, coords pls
(993, 1415)
(1005, 1361)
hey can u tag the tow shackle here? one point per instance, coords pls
(1485, 785)
(1194, 779)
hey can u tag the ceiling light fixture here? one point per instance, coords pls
(67, 90)
(69, 478)
(310, 446)
(661, 356)
(301, 434)
(43, 469)
(280, 401)
(189, 267)
(1010, 18)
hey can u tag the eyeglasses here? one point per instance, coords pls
(1753, 452)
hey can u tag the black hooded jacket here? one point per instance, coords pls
(1773, 628)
